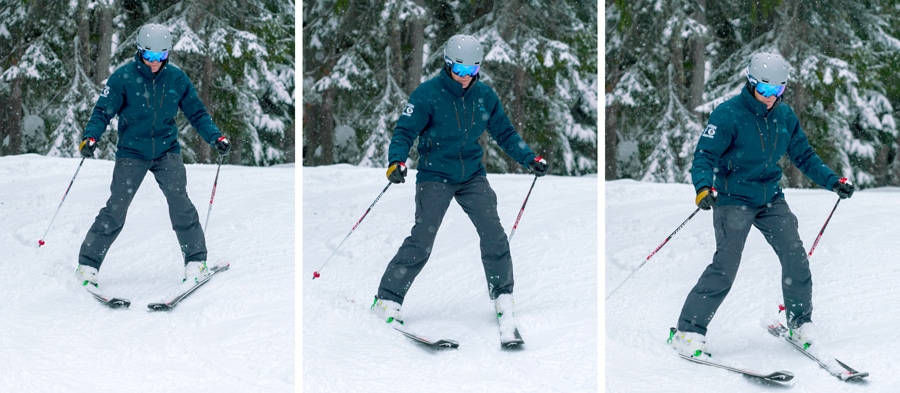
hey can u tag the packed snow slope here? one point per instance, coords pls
(235, 334)
(554, 250)
(855, 292)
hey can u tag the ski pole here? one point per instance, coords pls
(654, 252)
(813, 248)
(522, 210)
(316, 273)
(41, 240)
(213, 196)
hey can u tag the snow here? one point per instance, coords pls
(855, 294)
(236, 334)
(346, 349)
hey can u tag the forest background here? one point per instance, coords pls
(669, 63)
(239, 54)
(362, 59)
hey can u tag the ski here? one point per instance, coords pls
(170, 304)
(844, 373)
(111, 302)
(777, 376)
(436, 344)
(514, 343)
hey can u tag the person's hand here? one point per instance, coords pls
(706, 198)
(223, 145)
(843, 188)
(539, 166)
(87, 147)
(396, 172)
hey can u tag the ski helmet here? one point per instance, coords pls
(463, 49)
(154, 37)
(768, 68)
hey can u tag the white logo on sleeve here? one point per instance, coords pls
(709, 132)
(409, 110)
(105, 91)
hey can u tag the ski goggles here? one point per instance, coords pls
(767, 90)
(465, 70)
(150, 55)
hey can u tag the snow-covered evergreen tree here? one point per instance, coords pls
(842, 57)
(361, 63)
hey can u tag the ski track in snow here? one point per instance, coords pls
(236, 334)
(856, 299)
(346, 349)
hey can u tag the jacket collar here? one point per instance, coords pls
(756, 107)
(144, 69)
(453, 86)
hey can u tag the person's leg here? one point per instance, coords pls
(171, 176)
(479, 202)
(127, 177)
(731, 224)
(780, 228)
(432, 200)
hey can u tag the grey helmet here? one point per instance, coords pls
(463, 49)
(769, 68)
(154, 37)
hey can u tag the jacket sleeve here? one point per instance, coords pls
(806, 159)
(196, 113)
(712, 144)
(412, 122)
(502, 130)
(108, 106)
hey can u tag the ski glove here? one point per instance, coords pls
(223, 145)
(706, 198)
(87, 147)
(843, 188)
(539, 166)
(396, 172)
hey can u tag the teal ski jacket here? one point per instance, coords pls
(146, 105)
(738, 152)
(448, 120)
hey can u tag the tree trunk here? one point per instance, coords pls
(104, 45)
(611, 142)
(11, 133)
(201, 147)
(698, 59)
(417, 49)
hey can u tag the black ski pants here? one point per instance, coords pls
(128, 174)
(732, 225)
(479, 202)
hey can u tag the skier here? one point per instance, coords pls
(146, 95)
(448, 114)
(735, 172)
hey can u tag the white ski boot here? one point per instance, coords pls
(506, 317)
(387, 311)
(87, 275)
(194, 272)
(805, 335)
(688, 343)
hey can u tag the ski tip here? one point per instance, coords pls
(158, 307)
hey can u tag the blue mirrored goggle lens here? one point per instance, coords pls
(767, 90)
(150, 55)
(465, 70)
